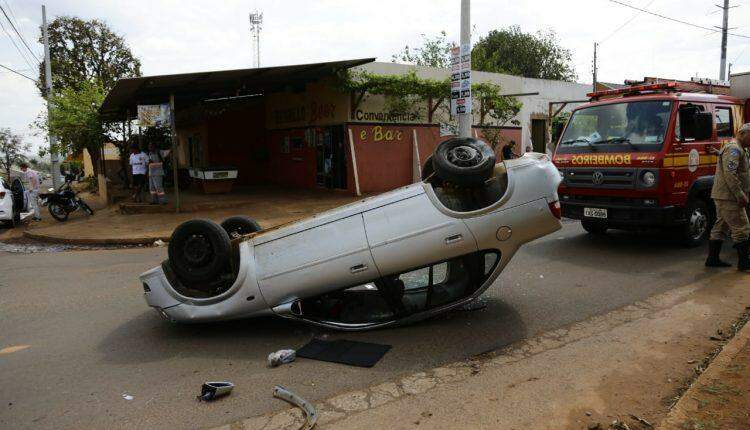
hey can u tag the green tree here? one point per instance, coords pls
(86, 51)
(76, 122)
(434, 52)
(514, 52)
(12, 150)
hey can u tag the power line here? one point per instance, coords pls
(20, 52)
(19, 34)
(626, 23)
(676, 20)
(17, 73)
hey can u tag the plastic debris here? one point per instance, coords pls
(158, 242)
(127, 396)
(213, 390)
(282, 356)
(311, 415)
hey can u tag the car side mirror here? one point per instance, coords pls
(704, 126)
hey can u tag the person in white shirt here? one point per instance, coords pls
(139, 163)
(30, 180)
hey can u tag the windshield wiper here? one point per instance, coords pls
(580, 139)
(617, 140)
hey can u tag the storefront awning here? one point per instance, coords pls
(191, 88)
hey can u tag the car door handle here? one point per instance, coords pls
(358, 268)
(454, 239)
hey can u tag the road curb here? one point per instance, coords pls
(679, 414)
(48, 238)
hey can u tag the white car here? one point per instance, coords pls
(13, 203)
(391, 259)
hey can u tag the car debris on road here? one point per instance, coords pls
(282, 356)
(213, 390)
(311, 415)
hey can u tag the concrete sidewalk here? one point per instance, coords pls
(109, 227)
(631, 362)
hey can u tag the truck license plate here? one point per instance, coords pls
(595, 213)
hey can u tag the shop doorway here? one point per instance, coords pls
(539, 135)
(330, 157)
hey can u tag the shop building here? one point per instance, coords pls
(293, 126)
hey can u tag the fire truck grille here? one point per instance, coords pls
(612, 178)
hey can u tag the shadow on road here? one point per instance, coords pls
(148, 338)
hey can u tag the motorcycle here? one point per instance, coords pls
(64, 200)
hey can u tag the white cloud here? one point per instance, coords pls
(172, 36)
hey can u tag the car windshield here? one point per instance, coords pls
(628, 124)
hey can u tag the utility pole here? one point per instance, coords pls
(48, 85)
(724, 31)
(465, 118)
(594, 81)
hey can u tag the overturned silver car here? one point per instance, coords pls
(395, 258)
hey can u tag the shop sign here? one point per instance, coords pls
(461, 79)
(379, 133)
(153, 115)
(448, 129)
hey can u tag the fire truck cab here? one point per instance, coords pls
(644, 156)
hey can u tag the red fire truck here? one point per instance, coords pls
(643, 156)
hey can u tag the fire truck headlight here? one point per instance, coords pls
(648, 179)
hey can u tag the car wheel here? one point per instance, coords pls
(240, 225)
(427, 170)
(699, 223)
(464, 161)
(58, 212)
(199, 251)
(594, 227)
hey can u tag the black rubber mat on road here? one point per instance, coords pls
(361, 354)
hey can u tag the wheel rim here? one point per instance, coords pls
(197, 250)
(57, 210)
(464, 156)
(698, 224)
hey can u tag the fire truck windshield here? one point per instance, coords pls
(625, 126)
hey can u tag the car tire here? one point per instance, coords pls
(464, 161)
(594, 227)
(240, 225)
(199, 251)
(428, 169)
(699, 223)
(58, 212)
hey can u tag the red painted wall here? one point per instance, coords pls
(385, 153)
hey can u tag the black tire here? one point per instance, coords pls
(86, 208)
(594, 227)
(58, 212)
(427, 169)
(240, 225)
(199, 251)
(464, 161)
(699, 223)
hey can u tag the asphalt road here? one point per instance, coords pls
(90, 338)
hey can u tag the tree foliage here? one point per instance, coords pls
(76, 122)
(434, 52)
(86, 51)
(12, 149)
(530, 55)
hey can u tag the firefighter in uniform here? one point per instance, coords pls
(730, 194)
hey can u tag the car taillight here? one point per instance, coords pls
(2, 195)
(554, 207)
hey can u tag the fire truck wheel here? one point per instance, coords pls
(594, 227)
(698, 223)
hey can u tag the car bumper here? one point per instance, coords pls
(626, 215)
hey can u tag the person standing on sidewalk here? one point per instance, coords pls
(730, 195)
(139, 164)
(30, 180)
(156, 176)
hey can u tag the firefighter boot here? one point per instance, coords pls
(713, 260)
(743, 259)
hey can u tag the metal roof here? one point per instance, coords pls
(191, 88)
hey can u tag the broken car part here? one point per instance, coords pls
(280, 357)
(213, 390)
(311, 415)
(387, 260)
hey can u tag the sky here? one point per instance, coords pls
(176, 36)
